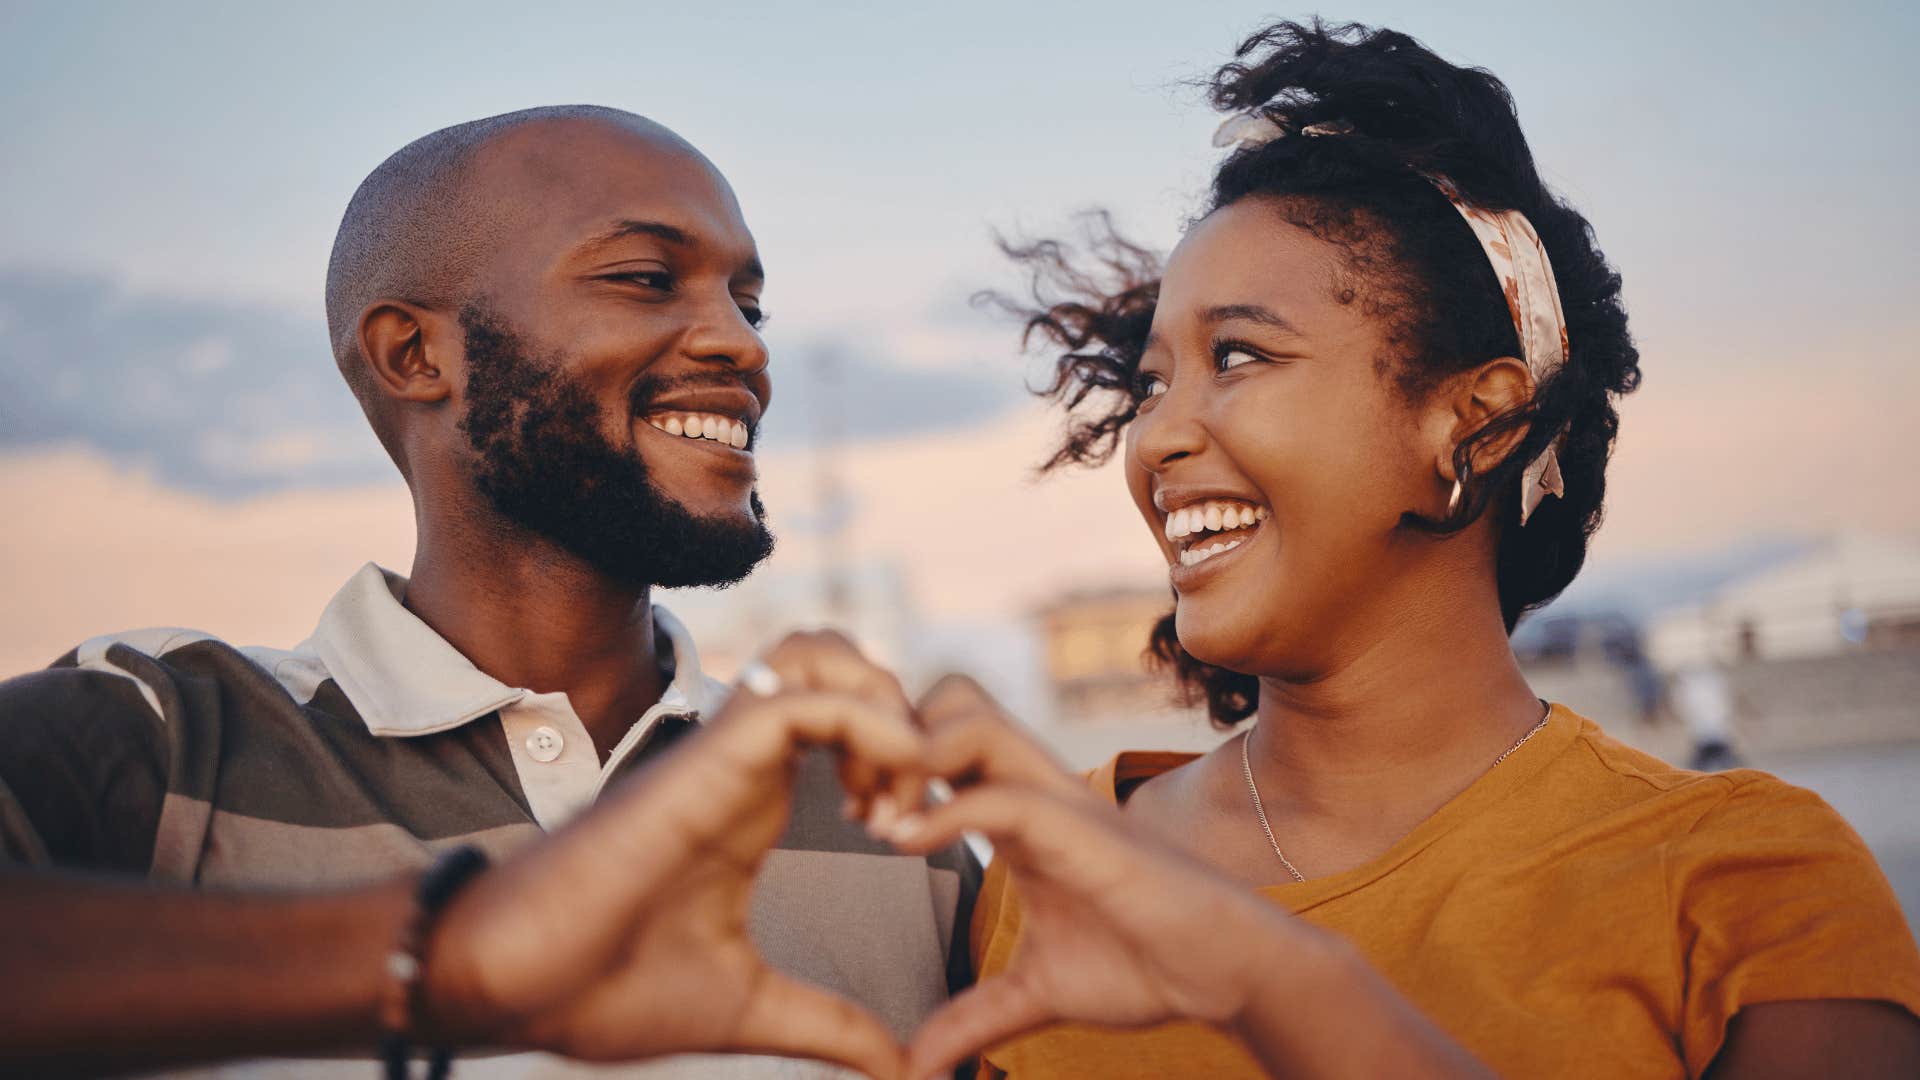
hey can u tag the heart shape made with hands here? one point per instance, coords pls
(1118, 929)
(1110, 935)
(624, 935)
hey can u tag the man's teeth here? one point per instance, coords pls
(1213, 517)
(721, 429)
(1195, 556)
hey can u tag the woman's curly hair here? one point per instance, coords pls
(1402, 115)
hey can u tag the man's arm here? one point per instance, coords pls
(617, 938)
(106, 976)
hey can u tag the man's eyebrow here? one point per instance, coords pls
(671, 234)
(1255, 313)
(636, 227)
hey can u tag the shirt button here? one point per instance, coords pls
(545, 744)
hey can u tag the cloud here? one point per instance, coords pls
(242, 399)
(829, 391)
(222, 399)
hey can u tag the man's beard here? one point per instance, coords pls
(543, 460)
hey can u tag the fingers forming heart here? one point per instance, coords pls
(1006, 787)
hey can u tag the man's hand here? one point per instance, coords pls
(625, 935)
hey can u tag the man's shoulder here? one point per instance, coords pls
(141, 669)
(713, 695)
(124, 668)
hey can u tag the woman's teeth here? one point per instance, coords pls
(1219, 516)
(721, 429)
(1196, 556)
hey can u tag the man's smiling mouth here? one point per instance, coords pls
(698, 425)
(722, 416)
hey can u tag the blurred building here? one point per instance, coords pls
(869, 601)
(1820, 651)
(1096, 658)
(1597, 664)
(1104, 696)
(1852, 594)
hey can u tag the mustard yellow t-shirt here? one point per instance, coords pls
(1583, 909)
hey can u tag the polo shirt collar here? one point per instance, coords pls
(404, 679)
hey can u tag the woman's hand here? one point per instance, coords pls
(625, 935)
(1117, 930)
(1122, 930)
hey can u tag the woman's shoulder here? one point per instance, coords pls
(1733, 842)
(1129, 770)
(1705, 802)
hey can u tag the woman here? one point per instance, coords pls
(1367, 408)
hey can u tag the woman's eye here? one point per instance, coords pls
(1151, 386)
(1231, 356)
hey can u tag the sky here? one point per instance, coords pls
(171, 176)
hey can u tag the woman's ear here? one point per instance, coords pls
(1475, 399)
(399, 343)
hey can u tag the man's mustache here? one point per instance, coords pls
(651, 388)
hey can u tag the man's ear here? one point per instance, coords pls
(1477, 397)
(403, 346)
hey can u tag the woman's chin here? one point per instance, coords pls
(1212, 641)
(1235, 637)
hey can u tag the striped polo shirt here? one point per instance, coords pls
(372, 746)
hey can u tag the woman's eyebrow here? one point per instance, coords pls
(1254, 313)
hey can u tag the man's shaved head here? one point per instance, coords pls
(419, 225)
(551, 319)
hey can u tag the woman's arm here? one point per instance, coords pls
(1328, 1013)
(1796, 1040)
(1121, 930)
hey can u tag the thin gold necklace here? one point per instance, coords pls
(1260, 809)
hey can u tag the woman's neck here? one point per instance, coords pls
(1408, 718)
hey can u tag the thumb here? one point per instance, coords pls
(977, 1019)
(789, 1018)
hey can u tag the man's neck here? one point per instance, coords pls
(535, 618)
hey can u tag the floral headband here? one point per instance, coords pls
(1519, 263)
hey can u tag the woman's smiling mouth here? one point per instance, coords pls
(1208, 529)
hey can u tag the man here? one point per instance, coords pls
(550, 319)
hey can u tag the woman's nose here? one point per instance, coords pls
(1168, 431)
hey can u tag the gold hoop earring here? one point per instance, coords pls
(1453, 500)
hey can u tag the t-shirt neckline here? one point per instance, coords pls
(1562, 727)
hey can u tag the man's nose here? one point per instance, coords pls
(721, 334)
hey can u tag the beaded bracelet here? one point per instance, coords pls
(407, 962)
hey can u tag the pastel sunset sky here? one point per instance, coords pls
(176, 448)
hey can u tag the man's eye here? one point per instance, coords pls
(651, 279)
(755, 317)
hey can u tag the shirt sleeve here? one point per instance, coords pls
(1779, 900)
(988, 911)
(83, 771)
